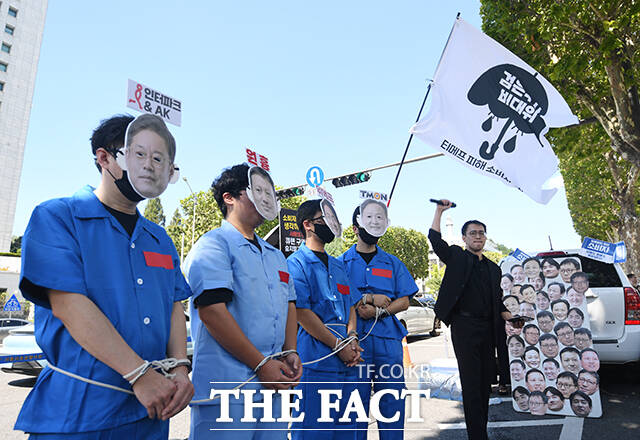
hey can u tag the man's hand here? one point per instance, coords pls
(446, 204)
(381, 301)
(275, 371)
(154, 392)
(294, 362)
(350, 355)
(184, 393)
(366, 311)
(517, 323)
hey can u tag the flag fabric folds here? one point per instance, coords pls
(490, 111)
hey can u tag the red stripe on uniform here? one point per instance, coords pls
(386, 273)
(343, 289)
(154, 259)
(284, 276)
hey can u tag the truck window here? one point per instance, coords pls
(600, 274)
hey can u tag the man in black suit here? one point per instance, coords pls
(470, 300)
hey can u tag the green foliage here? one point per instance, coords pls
(494, 256)
(16, 245)
(588, 50)
(154, 212)
(410, 246)
(433, 282)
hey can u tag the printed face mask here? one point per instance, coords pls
(330, 218)
(262, 193)
(373, 218)
(146, 163)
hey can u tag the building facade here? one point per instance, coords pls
(21, 29)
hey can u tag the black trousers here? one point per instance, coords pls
(503, 354)
(473, 344)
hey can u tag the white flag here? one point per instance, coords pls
(490, 111)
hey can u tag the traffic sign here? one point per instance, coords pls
(13, 305)
(315, 176)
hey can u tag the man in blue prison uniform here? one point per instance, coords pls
(245, 303)
(107, 287)
(385, 283)
(325, 307)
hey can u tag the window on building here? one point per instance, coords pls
(1, 86)
(9, 29)
(3, 67)
(13, 12)
(6, 48)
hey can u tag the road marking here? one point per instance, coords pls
(572, 428)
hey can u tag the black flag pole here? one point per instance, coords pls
(406, 150)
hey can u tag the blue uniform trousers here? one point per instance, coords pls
(148, 429)
(383, 367)
(310, 428)
(204, 425)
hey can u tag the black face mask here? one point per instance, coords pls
(324, 233)
(126, 188)
(366, 237)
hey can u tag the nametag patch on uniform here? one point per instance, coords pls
(343, 289)
(284, 276)
(154, 259)
(386, 273)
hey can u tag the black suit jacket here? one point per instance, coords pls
(456, 276)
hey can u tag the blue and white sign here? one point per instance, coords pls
(315, 176)
(13, 305)
(519, 255)
(604, 251)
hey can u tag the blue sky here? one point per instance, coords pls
(333, 84)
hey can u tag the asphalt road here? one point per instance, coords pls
(443, 419)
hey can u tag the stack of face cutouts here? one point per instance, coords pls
(553, 366)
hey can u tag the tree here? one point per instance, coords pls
(16, 245)
(433, 282)
(154, 212)
(410, 246)
(175, 230)
(588, 50)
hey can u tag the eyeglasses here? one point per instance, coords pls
(568, 270)
(588, 381)
(476, 233)
(565, 385)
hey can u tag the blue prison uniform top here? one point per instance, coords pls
(327, 293)
(75, 245)
(385, 274)
(262, 289)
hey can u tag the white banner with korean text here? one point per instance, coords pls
(491, 111)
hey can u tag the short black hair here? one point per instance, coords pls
(582, 331)
(514, 266)
(473, 222)
(531, 348)
(354, 217)
(572, 261)
(629, 275)
(550, 261)
(531, 259)
(540, 394)
(554, 390)
(518, 361)
(517, 338)
(546, 336)
(233, 180)
(579, 275)
(559, 326)
(525, 286)
(563, 301)
(110, 135)
(569, 350)
(588, 349)
(593, 373)
(570, 375)
(506, 297)
(306, 211)
(533, 370)
(509, 277)
(555, 283)
(552, 360)
(583, 395)
(546, 313)
(529, 326)
(577, 310)
(520, 389)
(543, 293)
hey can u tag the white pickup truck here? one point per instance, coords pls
(613, 306)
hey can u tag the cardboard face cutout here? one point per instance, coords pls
(146, 159)
(373, 217)
(330, 217)
(262, 193)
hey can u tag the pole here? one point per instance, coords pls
(195, 202)
(420, 112)
(406, 150)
